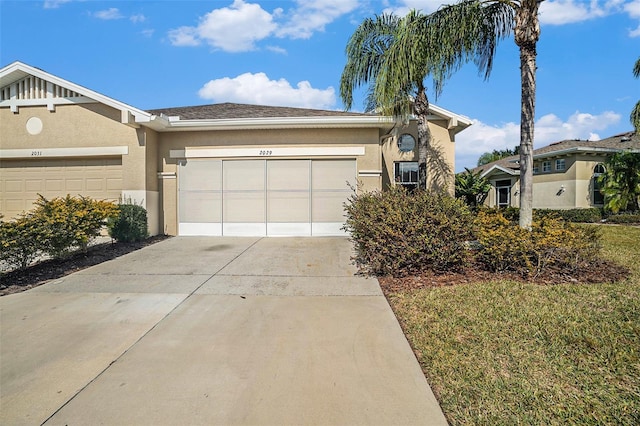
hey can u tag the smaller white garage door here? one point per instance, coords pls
(22, 180)
(264, 197)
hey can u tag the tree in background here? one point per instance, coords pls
(635, 113)
(497, 154)
(621, 182)
(472, 187)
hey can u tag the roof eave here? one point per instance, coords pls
(385, 123)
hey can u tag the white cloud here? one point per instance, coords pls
(482, 137)
(108, 14)
(54, 4)
(559, 12)
(313, 15)
(633, 9)
(277, 49)
(426, 6)
(238, 27)
(147, 33)
(137, 18)
(234, 29)
(259, 89)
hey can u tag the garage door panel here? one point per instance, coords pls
(243, 205)
(288, 198)
(74, 185)
(23, 180)
(33, 185)
(13, 186)
(331, 188)
(200, 197)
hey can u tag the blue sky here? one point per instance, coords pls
(154, 54)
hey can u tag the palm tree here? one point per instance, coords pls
(621, 182)
(455, 27)
(472, 187)
(393, 56)
(635, 113)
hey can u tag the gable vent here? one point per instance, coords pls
(35, 88)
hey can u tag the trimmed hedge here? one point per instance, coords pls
(624, 218)
(586, 215)
(401, 233)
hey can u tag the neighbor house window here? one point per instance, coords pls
(597, 196)
(503, 193)
(536, 167)
(546, 166)
(560, 164)
(406, 174)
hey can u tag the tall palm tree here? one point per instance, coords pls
(635, 113)
(455, 26)
(393, 56)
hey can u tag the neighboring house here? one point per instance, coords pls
(224, 169)
(564, 173)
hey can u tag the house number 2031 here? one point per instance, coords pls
(36, 153)
(266, 152)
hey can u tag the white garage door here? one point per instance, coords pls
(22, 180)
(264, 197)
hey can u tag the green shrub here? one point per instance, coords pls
(20, 242)
(130, 224)
(588, 215)
(551, 242)
(68, 223)
(624, 218)
(400, 233)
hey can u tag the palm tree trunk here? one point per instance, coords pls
(527, 32)
(421, 109)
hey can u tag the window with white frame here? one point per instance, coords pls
(546, 166)
(560, 164)
(406, 174)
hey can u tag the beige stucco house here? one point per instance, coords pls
(223, 169)
(564, 175)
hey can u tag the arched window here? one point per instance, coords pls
(597, 196)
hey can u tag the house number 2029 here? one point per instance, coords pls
(266, 152)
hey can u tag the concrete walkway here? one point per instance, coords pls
(202, 330)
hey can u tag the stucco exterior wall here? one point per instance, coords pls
(440, 157)
(368, 165)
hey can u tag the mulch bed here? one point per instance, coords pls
(602, 271)
(40, 273)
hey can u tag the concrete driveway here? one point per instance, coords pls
(205, 330)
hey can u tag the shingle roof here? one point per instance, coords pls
(232, 110)
(628, 140)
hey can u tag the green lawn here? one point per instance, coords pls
(511, 353)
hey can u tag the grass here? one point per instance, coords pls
(506, 353)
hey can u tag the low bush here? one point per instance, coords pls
(624, 218)
(130, 224)
(400, 233)
(587, 215)
(68, 223)
(551, 243)
(20, 242)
